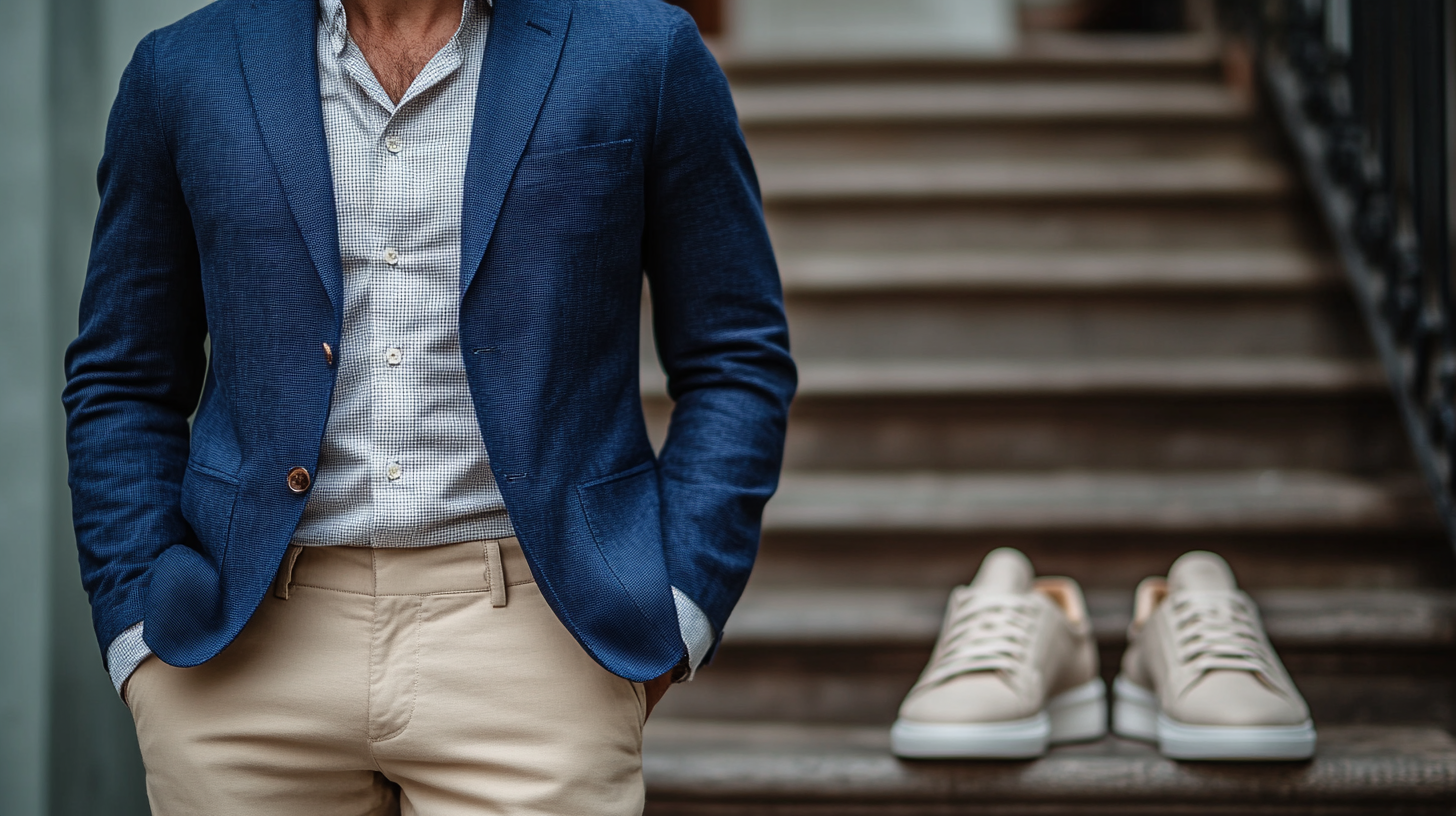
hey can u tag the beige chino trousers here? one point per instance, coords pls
(431, 681)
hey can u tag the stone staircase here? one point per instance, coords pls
(1073, 302)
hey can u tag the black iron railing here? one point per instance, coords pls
(1363, 90)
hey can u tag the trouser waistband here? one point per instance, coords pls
(490, 565)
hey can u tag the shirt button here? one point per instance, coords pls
(391, 256)
(393, 471)
(392, 144)
(299, 480)
(394, 356)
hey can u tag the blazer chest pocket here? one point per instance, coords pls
(585, 170)
(573, 207)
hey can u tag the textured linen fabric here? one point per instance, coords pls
(604, 143)
(388, 681)
(402, 463)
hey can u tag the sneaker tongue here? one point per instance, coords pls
(1004, 571)
(1200, 571)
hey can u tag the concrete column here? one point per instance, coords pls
(66, 741)
(27, 426)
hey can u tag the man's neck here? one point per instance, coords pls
(398, 37)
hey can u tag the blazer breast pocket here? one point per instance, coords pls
(587, 169)
(578, 209)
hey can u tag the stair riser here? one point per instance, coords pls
(979, 140)
(1075, 328)
(940, 326)
(743, 73)
(1340, 432)
(866, 684)
(1114, 561)
(1041, 226)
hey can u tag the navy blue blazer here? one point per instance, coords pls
(605, 143)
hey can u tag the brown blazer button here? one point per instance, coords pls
(299, 480)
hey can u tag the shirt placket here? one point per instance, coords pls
(398, 201)
(389, 430)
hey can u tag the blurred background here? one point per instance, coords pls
(1104, 280)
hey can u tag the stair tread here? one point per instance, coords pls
(1038, 49)
(686, 760)
(846, 502)
(1304, 618)
(908, 378)
(1281, 270)
(1158, 178)
(924, 102)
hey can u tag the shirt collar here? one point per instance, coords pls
(331, 15)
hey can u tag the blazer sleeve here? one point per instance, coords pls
(718, 317)
(134, 372)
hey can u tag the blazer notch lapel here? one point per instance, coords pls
(276, 46)
(521, 57)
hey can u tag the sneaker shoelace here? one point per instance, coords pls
(1220, 632)
(983, 634)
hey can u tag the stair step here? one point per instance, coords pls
(980, 271)
(1322, 619)
(723, 769)
(952, 340)
(1173, 179)
(984, 503)
(1046, 225)
(840, 654)
(1325, 432)
(1041, 54)
(928, 103)
(911, 378)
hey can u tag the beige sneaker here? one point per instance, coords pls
(1014, 669)
(1200, 678)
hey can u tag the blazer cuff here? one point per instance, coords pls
(697, 633)
(127, 652)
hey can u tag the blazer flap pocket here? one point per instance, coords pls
(575, 165)
(622, 511)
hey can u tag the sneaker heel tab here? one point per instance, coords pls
(1150, 593)
(1066, 594)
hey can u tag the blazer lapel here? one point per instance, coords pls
(276, 44)
(521, 55)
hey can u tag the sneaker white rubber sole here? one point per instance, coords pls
(1137, 714)
(1072, 716)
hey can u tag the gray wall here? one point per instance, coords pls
(66, 743)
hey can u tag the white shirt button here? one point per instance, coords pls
(393, 471)
(393, 356)
(391, 256)
(392, 145)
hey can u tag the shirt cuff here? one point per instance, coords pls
(697, 633)
(125, 653)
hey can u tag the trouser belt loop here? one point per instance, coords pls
(495, 573)
(284, 580)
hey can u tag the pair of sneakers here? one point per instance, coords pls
(1015, 670)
